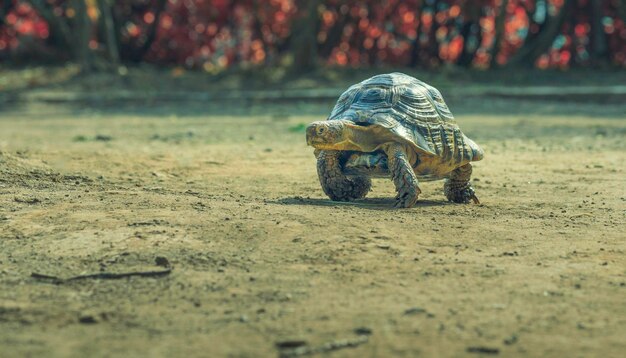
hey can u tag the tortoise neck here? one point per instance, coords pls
(358, 138)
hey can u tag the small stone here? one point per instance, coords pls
(510, 340)
(363, 331)
(162, 261)
(103, 138)
(87, 319)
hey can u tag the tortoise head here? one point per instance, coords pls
(327, 135)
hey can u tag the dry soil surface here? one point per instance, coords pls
(242, 255)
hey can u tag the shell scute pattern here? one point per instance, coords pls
(413, 110)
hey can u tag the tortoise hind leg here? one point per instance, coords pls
(335, 184)
(457, 187)
(403, 176)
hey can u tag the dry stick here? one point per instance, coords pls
(579, 215)
(328, 347)
(102, 275)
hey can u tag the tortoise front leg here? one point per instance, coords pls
(457, 187)
(337, 185)
(402, 175)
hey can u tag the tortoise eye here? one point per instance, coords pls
(320, 130)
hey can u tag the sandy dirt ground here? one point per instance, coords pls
(244, 256)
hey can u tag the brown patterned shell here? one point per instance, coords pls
(413, 111)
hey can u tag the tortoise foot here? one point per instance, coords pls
(407, 197)
(335, 184)
(347, 189)
(460, 193)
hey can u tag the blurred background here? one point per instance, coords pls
(218, 35)
(303, 54)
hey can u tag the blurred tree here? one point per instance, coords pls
(136, 24)
(531, 50)
(5, 8)
(432, 49)
(498, 34)
(332, 37)
(599, 51)
(470, 32)
(60, 35)
(70, 33)
(216, 34)
(140, 52)
(416, 47)
(304, 36)
(108, 31)
(82, 35)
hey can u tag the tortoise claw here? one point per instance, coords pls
(407, 198)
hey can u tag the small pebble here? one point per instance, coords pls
(365, 331)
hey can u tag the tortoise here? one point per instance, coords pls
(392, 125)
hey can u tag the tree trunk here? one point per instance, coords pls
(334, 36)
(574, 58)
(621, 9)
(599, 47)
(258, 27)
(83, 36)
(6, 7)
(108, 27)
(304, 39)
(499, 34)
(416, 45)
(471, 27)
(532, 36)
(433, 42)
(530, 51)
(152, 31)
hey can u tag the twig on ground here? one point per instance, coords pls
(102, 275)
(325, 348)
(572, 217)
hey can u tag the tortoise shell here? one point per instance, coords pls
(415, 113)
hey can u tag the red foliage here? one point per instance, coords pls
(215, 34)
(21, 22)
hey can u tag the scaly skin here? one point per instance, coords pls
(402, 175)
(334, 183)
(457, 187)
